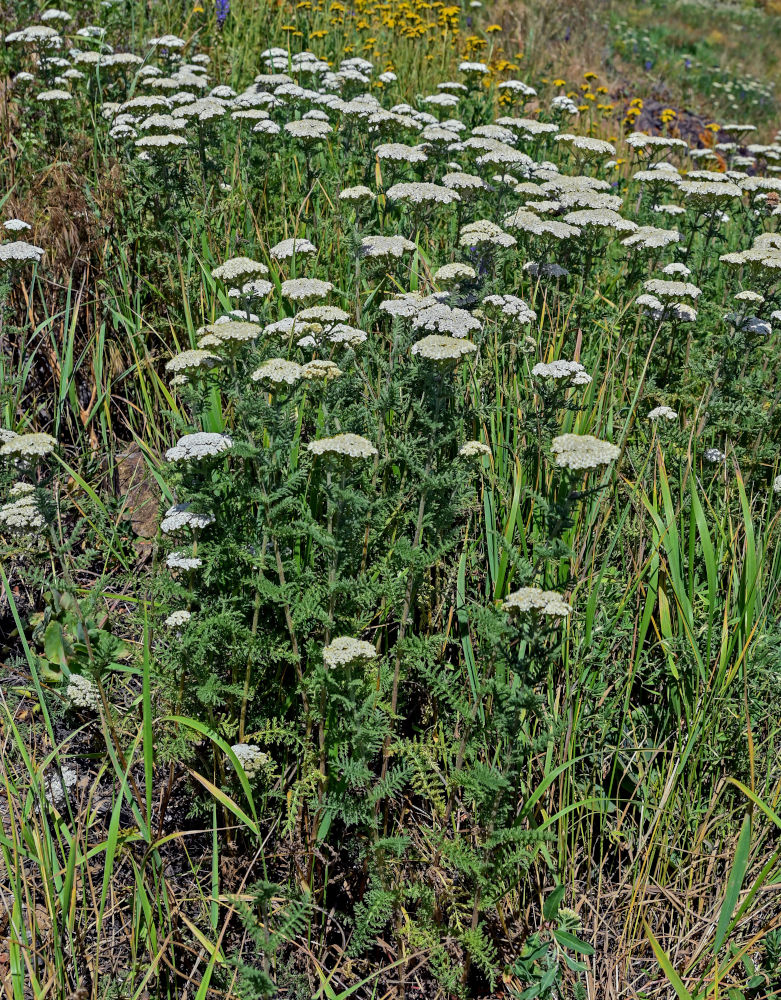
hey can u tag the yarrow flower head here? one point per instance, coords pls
(33, 445)
(483, 231)
(510, 306)
(345, 651)
(672, 289)
(446, 319)
(305, 289)
(228, 333)
(251, 758)
(572, 371)
(385, 246)
(308, 129)
(453, 274)
(276, 372)
(321, 370)
(203, 444)
(181, 515)
(21, 514)
(294, 247)
(443, 350)
(359, 193)
(420, 193)
(178, 618)
(662, 413)
(348, 446)
(474, 449)
(180, 560)
(533, 600)
(19, 252)
(400, 153)
(190, 361)
(83, 693)
(238, 269)
(583, 451)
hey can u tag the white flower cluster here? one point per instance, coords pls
(651, 238)
(582, 451)
(305, 289)
(446, 319)
(181, 515)
(533, 600)
(530, 223)
(34, 445)
(193, 447)
(442, 350)
(347, 446)
(587, 146)
(662, 413)
(180, 560)
(385, 246)
(238, 269)
(188, 361)
(345, 651)
(21, 514)
(308, 128)
(277, 371)
(227, 332)
(294, 247)
(483, 231)
(178, 618)
(600, 218)
(453, 274)
(474, 449)
(510, 306)
(572, 371)
(19, 252)
(357, 194)
(401, 153)
(421, 193)
(251, 758)
(83, 693)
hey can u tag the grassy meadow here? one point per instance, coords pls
(390, 415)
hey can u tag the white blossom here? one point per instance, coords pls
(529, 600)
(662, 413)
(202, 444)
(343, 446)
(83, 693)
(28, 445)
(474, 449)
(385, 246)
(278, 371)
(572, 371)
(294, 247)
(19, 252)
(303, 289)
(442, 350)
(238, 268)
(582, 451)
(348, 652)
(181, 515)
(178, 618)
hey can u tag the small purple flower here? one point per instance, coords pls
(223, 9)
(688, 64)
(469, 22)
(649, 63)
